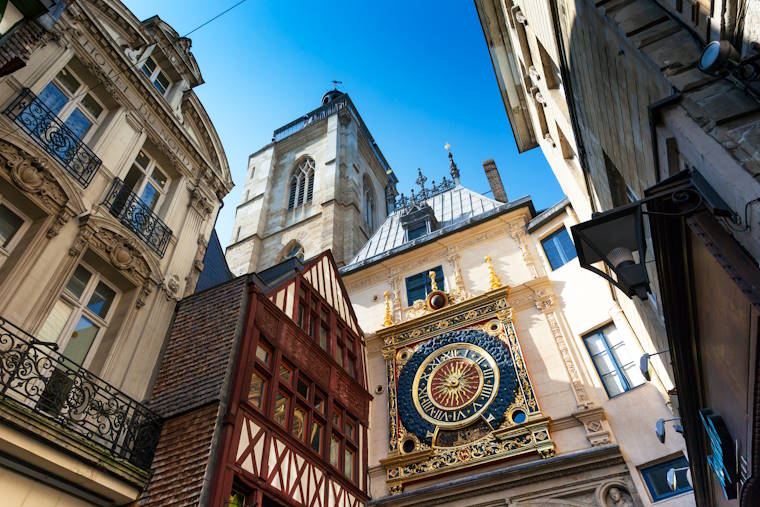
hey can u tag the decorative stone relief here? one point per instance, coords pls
(32, 175)
(596, 426)
(545, 304)
(200, 202)
(517, 231)
(192, 278)
(618, 496)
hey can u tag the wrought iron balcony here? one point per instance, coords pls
(40, 380)
(138, 217)
(54, 136)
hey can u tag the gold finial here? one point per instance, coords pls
(388, 317)
(494, 281)
(433, 285)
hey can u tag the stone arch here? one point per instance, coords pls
(369, 202)
(293, 248)
(605, 494)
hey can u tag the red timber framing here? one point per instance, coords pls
(295, 430)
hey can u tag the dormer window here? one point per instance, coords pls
(159, 79)
(418, 220)
(416, 231)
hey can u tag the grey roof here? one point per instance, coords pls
(545, 215)
(454, 209)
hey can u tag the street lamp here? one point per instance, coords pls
(659, 428)
(615, 237)
(672, 477)
(644, 363)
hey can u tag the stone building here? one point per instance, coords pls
(111, 176)
(25, 25)
(455, 290)
(322, 183)
(649, 108)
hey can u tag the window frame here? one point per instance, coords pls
(79, 309)
(619, 369)
(553, 237)
(74, 102)
(147, 177)
(416, 227)
(26, 221)
(153, 76)
(300, 188)
(674, 461)
(427, 287)
(369, 205)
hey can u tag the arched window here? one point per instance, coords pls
(369, 204)
(302, 184)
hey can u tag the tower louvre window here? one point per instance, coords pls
(302, 184)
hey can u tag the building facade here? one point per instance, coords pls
(111, 177)
(502, 373)
(322, 183)
(650, 119)
(279, 413)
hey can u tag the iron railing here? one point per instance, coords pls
(44, 381)
(138, 217)
(54, 136)
(403, 201)
(332, 107)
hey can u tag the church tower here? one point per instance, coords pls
(321, 183)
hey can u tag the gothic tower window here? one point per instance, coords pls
(294, 249)
(301, 184)
(369, 204)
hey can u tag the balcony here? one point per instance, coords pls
(38, 383)
(53, 136)
(137, 217)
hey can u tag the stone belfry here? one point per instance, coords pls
(321, 183)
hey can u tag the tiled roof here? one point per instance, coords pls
(454, 208)
(199, 348)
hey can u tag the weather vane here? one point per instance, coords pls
(336, 83)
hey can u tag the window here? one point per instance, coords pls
(68, 98)
(369, 204)
(613, 360)
(281, 409)
(301, 184)
(416, 231)
(294, 250)
(656, 478)
(80, 315)
(147, 180)
(12, 224)
(156, 76)
(257, 391)
(343, 448)
(418, 286)
(559, 248)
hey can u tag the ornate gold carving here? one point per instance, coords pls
(433, 285)
(388, 321)
(494, 282)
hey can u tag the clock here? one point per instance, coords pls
(456, 380)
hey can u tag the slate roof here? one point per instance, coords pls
(454, 209)
(215, 269)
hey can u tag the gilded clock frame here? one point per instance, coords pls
(491, 313)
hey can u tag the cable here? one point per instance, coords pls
(214, 18)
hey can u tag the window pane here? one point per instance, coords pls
(299, 423)
(348, 429)
(351, 366)
(81, 340)
(417, 231)
(334, 451)
(262, 354)
(159, 177)
(162, 80)
(315, 439)
(55, 322)
(149, 66)
(604, 363)
(134, 176)
(101, 299)
(339, 354)
(150, 195)
(78, 123)
(142, 160)
(319, 403)
(281, 409)
(78, 281)
(303, 387)
(256, 392)
(348, 463)
(91, 106)
(68, 80)
(323, 332)
(613, 384)
(566, 244)
(237, 499)
(53, 97)
(10, 223)
(286, 373)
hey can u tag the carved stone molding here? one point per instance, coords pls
(200, 202)
(192, 278)
(33, 176)
(594, 421)
(576, 383)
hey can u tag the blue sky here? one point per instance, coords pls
(419, 73)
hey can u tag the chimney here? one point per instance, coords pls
(494, 180)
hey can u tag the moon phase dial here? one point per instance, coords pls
(456, 380)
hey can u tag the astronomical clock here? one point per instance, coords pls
(459, 395)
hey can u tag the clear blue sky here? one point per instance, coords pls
(419, 73)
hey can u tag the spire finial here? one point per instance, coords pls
(335, 83)
(452, 165)
(494, 281)
(421, 179)
(388, 316)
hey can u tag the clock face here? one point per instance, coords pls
(455, 384)
(459, 379)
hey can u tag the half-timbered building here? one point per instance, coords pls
(263, 394)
